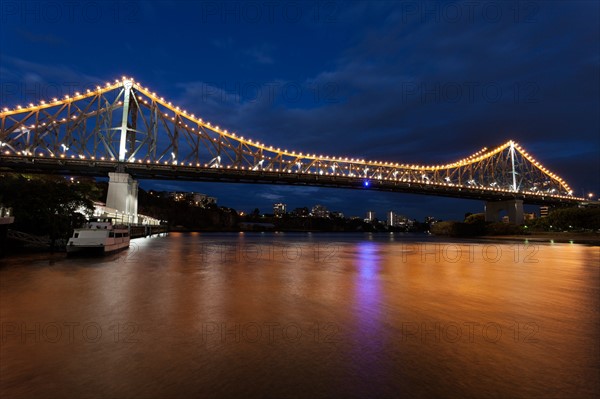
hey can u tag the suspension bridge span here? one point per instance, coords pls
(125, 130)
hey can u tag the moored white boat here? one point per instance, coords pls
(100, 236)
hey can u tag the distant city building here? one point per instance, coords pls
(337, 214)
(195, 199)
(319, 211)
(178, 196)
(370, 216)
(544, 211)
(158, 194)
(395, 220)
(301, 212)
(431, 220)
(526, 216)
(279, 209)
(203, 199)
(529, 216)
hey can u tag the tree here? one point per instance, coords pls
(475, 218)
(575, 218)
(47, 205)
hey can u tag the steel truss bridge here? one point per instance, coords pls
(125, 127)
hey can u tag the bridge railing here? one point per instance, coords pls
(126, 123)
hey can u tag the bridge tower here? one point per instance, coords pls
(514, 209)
(118, 127)
(123, 195)
(122, 188)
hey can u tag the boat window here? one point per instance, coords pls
(111, 234)
(75, 235)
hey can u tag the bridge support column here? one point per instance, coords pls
(514, 209)
(123, 195)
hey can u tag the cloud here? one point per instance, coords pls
(225, 44)
(278, 193)
(389, 83)
(271, 196)
(46, 38)
(50, 72)
(434, 91)
(261, 54)
(24, 81)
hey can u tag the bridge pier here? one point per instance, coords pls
(123, 195)
(514, 209)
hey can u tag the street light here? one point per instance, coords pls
(590, 195)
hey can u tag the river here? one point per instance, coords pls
(300, 315)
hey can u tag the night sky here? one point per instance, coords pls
(403, 81)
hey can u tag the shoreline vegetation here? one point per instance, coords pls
(49, 206)
(562, 225)
(561, 237)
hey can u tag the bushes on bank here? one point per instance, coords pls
(561, 219)
(47, 205)
(459, 229)
(456, 229)
(575, 218)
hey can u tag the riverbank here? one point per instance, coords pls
(16, 247)
(588, 238)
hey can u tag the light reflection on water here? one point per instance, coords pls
(298, 315)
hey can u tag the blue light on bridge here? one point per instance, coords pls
(366, 183)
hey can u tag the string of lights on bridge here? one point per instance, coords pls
(482, 154)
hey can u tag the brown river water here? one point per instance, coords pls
(303, 316)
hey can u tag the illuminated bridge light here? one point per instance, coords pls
(554, 186)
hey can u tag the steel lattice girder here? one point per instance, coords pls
(89, 126)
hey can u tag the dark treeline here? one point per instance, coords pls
(569, 219)
(291, 222)
(185, 216)
(560, 219)
(182, 215)
(48, 205)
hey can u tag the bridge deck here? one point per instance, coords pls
(98, 168)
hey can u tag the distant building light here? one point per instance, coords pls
(279, 209)
(370, 216)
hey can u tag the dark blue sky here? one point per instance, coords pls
(404, 81)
